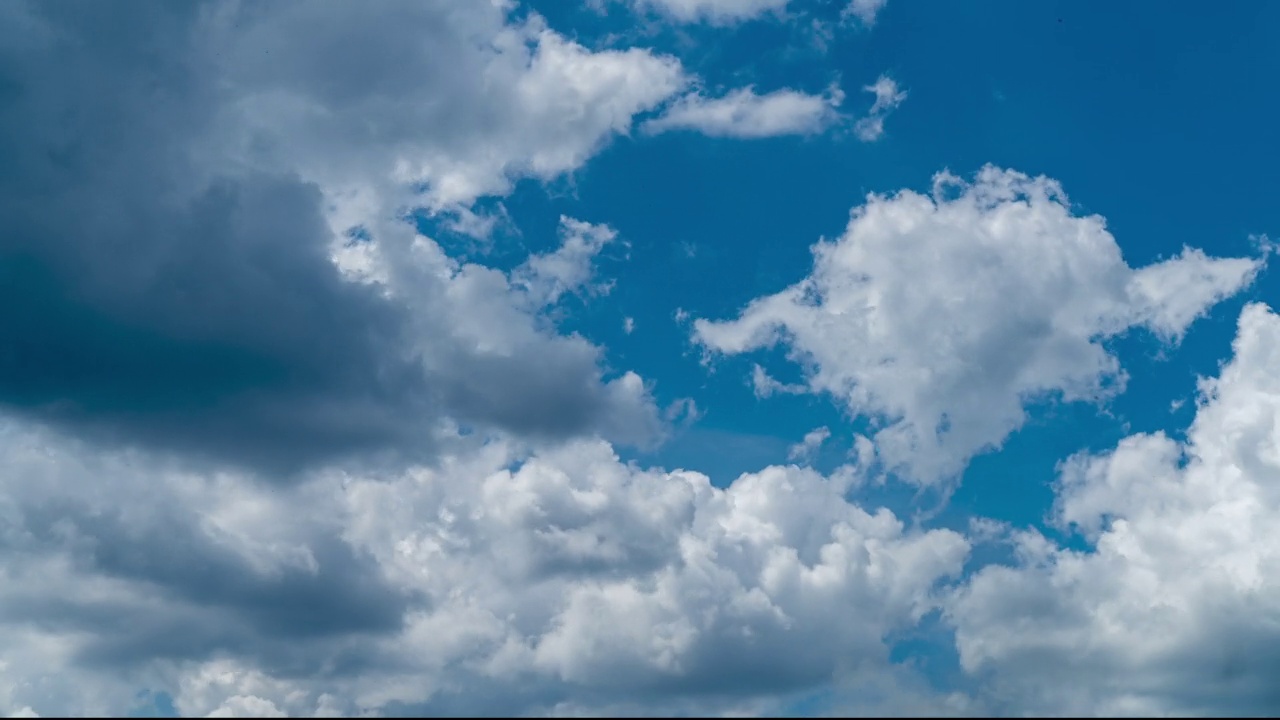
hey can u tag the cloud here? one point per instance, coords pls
(491, 582)
(765, 385)
(745, 114)
(888, 98)
(504, 100)
(909, 318)
(1173, 608)
(179, 188)
(718, 12)
(813, 440)
(568, 269)
(864, 10)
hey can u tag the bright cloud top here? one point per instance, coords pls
(1175, 608)
(942, 316)
(504, 100)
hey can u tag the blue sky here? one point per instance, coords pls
(799, 357)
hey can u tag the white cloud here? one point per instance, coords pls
(888, 98)
(585, 572)
(764, 385)
(813, 440)
(942, 316)
(745, 114)
(1176, 608)
(864, 10)
(719, 12)
(568, 269)
(492, 583)
(503, 101)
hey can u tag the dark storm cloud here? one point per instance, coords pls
(141, 301)
(151, 295)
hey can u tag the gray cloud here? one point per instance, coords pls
(165, 252)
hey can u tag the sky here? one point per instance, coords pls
(652, 357)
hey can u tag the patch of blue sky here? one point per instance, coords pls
(1127, 107)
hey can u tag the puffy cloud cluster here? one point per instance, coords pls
(942, 316)
(567, 576)
(1175, 608)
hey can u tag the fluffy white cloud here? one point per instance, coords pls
(942, 316)
(1175, 609)
(745, 114)
(720, 12)
(487, 583)
(888, 98)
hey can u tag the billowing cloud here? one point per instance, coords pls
(942, 316)
(492, 582)
(745, 114)
(177, 180)
(1174, 608)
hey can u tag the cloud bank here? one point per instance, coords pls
(267, 448)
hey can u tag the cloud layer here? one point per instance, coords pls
(471, 587)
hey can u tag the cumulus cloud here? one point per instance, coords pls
(1173, 608)
(941, 316)
(719, 12)
(490, 582)
(744, 113)
(181, 187)
(888, 98)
